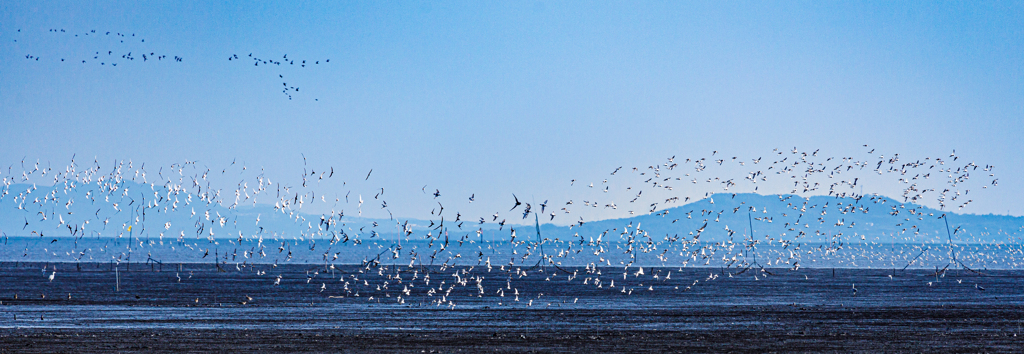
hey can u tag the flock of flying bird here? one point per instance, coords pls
(118, 52)
(123, 48)
(288, 90)
(102, 213)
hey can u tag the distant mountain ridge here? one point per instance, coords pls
(722, 217)
(97, 209)
(94, 209)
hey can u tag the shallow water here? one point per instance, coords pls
(470, 253)
(309, 296)
(93, 307)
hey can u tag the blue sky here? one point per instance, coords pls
(494, 98)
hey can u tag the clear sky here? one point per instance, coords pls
(492, 98)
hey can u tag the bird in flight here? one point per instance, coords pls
(518, 203)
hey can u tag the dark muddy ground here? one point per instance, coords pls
(312, 309)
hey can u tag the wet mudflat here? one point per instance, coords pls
(288, 308)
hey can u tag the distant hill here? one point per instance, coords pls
(814, 219)
(107, 209)
(98, 209)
